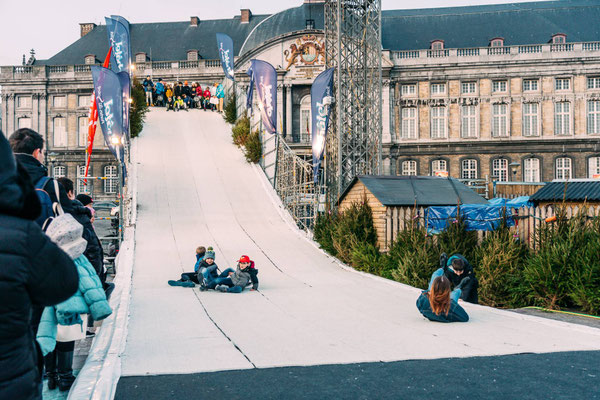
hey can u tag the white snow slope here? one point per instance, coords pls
(195, 188)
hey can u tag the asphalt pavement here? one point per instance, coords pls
(568, 375)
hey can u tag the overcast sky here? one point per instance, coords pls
(49, 26)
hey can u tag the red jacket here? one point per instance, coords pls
(199, 90)
(207, 94)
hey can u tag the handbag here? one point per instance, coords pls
(214, 100)
(69, 333)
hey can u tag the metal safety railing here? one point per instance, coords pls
(295, 186)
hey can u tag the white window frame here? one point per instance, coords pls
(559, 39)
(562, 118)
(82, 131)
(500, 169)
(305, 124)
(409, 168)
(408, 89)
(84, 100)
(531, 170)
(437, 45)
(468, 87)
(593, 117)
(562, 84)
(563, 168)
(24, 122)
(90, 59)
(59, 101)
(408, 128)
(531, 85)
(593, 82)
(531, 119)
(497, 43)
(80, 185)
(438, 89)
(468, 122)
(499, 86)
(468, 168)
(501, 120)
(439, 165)
(111, 185)
(593, 166)
(59, 171)
(59, 132)
(438, 123)
(140, 58)
(24, 102)
(192, 55)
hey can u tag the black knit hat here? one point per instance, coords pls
(84, 199)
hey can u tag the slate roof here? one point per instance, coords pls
(472, 26)
(425, 190)
(575, 191)
(165, 41)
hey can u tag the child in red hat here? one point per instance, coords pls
(245, 274)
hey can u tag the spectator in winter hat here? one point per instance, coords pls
(189, 279)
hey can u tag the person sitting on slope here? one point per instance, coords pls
(208, 272)
(189, 279)
(179, 104)
(459, 271)
(439, 304)
(238, 280)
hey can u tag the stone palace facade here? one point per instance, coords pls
(503, 92)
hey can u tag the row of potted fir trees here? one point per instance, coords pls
(562, 272)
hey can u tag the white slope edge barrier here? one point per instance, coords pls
(102, 369)
(287, 217)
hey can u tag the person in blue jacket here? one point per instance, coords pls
(459, 271)
(160, 93)
(90, 298)
(208, 272)
(439, 304)
(190, 279)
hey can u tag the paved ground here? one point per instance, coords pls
(195, 188)
(574, 375)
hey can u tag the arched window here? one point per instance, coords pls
(563, 168)
(469, 169)
(81, 186)
(437, 44)
(594, 167)
(439, 168)
(531, 170)
(409, 167)
(305, 120)
(500, 169)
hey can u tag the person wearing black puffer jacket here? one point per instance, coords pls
(33, 271)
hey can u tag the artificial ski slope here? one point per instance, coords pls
(195, 188)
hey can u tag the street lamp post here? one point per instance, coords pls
(514, 167)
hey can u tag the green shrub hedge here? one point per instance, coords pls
(562, 271)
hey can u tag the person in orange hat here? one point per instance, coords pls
(245, 274)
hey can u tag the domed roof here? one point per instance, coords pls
(287, 21)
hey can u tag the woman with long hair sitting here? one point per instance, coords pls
(440, 304)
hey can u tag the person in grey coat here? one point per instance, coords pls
(242, 277)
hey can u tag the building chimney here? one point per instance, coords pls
(194, 21)
(86, 28)
(246, 15)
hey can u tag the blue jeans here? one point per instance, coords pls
(232, 287)
(455, 295)
(212, 282)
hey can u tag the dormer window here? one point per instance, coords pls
(437, 44)
(140, 57)
(90, 59)
(559, 38)
(192, 55)
(497, 42)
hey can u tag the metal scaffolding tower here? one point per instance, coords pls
(353, 48)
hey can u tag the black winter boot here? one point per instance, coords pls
(50, 366)
(65, 370)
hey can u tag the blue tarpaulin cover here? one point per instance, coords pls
(517, 202)
(477, 217)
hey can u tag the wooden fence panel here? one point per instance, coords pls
(529, 221)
